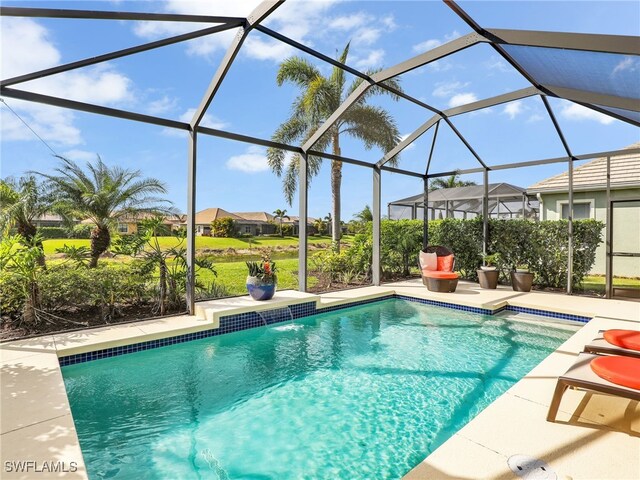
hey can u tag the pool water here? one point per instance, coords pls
(364, 392)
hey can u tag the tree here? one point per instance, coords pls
(281, 214)
(21, 202)
(319, 97)
(449, 182)
(103, 195)
(364, 215)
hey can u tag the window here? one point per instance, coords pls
(123, 228)
(581, 210)
(247, 229)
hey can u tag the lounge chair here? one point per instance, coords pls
(622, 338)
(443, 279)
(581, 375)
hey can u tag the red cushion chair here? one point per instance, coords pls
(444, 279)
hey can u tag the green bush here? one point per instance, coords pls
(541, 245)
(224, 228)
(82, 230)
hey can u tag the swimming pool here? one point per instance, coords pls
(364, 392)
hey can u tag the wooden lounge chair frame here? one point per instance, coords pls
(580, 376)
(442, 285)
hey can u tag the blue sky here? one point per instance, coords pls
(169, 82)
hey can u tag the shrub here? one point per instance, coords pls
(223, 227)
(81, 230)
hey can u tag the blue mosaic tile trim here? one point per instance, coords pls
(244, 321)
(546, 313)
(333, 308)
(464, 308)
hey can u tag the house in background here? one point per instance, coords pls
(205, 217)
(590, 201)
(256, 223)
(506, 201)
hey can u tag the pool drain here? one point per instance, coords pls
(530, 468)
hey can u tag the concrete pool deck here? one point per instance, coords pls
(595, 436)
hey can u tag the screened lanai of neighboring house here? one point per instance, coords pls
(596, 72)
(505, 201)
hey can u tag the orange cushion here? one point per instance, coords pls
(620, 370)
(439, 274)
(445, 264)
(623, 338)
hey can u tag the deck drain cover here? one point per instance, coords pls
(530, 468)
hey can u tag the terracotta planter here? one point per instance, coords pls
(260, 289)
(488, 278)
(521, 281)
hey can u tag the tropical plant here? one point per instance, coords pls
(171, 262)
(319, 97)
(452, 181)
(20, 264)
(320, 226)
(364, 215)
(281, 214)
(103, 195)
(22, 201)
(265, 269)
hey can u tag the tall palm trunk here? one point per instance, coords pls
(336, 183)
(28, 232)
(100, 241)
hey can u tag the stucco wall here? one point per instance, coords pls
(627, 226)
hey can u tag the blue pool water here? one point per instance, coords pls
(364, 392)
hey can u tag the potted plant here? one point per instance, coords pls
(262, 280)
(488, 273)
(521, 278)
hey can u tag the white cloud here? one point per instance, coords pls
(628, 63)
(52, 124)
(366, 36)
(513, 109)
(297, 20)
(348, 22)
(446, 89)
(207, 121)
(27, 47)
(440, 66)
(434, 42)
(389, 21)
(261, 49)
(373, 59)
(462, 99)
(252, 161)
(573, 111)
(426, 45)
(79, 155)
(498, 64)
(162, 105)
(411, 146)
(536, 117)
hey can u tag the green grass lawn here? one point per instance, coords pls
(50, 246)
(597, 282)
(234, 274)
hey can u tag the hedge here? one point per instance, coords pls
(79, 231)
(541, 245)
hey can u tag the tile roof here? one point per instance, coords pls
(625, 172)
(210, 214)
(256, 216)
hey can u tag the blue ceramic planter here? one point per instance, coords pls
(259, 289)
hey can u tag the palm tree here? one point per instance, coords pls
(103, 195)
(319, 97)
(449, 182)
(320, 226)
(21, 202)
(281, 214)
(364, 215)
